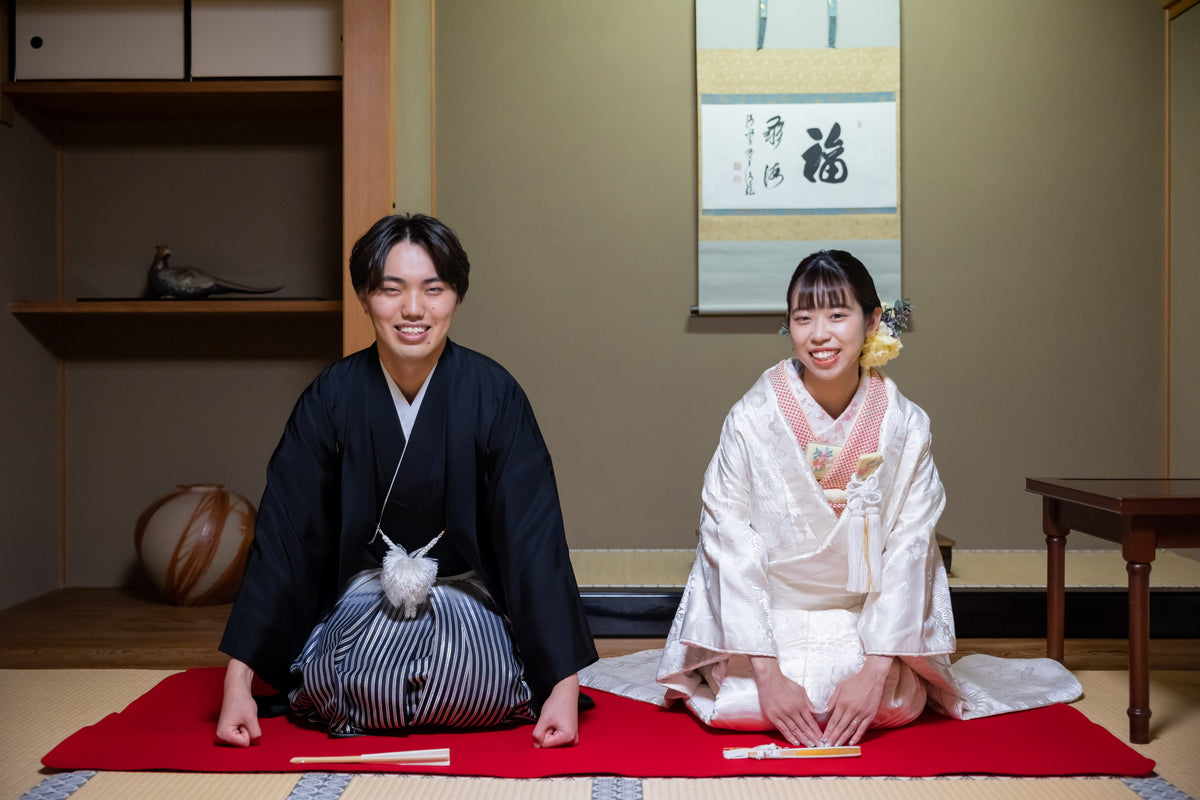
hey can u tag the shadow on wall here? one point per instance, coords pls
(765, 323)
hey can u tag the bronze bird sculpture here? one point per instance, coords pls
(188, 283)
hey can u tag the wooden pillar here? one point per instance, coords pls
(368, 161)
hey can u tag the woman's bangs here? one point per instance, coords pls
(822, 291)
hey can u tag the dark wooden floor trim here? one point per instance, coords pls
(988, 614)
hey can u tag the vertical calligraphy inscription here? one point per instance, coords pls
(773, 135)
(749, 154)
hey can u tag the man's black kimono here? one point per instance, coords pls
(330, 472)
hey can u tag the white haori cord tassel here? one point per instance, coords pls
(408, 577)
(865, 550)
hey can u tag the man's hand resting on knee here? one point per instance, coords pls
(558, 724)
(238, 723)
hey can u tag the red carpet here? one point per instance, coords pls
(171, 728)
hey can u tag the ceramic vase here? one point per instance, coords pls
(193, 543)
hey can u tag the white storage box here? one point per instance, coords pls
(266, 38)
(96, 39)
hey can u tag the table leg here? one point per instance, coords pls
(1056, 543)
(1139, 651)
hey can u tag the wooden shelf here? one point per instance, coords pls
(76, 308)
(169, 99)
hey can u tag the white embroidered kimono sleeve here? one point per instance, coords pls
(730, 610)
(911, 613)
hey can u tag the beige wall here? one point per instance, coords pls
(1032, 189)
(28, 415)
(1185, 244)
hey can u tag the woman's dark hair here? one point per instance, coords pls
(370, 252)
(830, 278)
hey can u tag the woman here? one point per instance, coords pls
(384, 451)
(818, 604)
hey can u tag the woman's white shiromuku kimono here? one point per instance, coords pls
(819, 569)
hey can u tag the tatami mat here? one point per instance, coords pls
(185, 786)
(885, 789)
(634, 569)
(1085, 569)
(1174, 722)
(382, 787)
(44, 706)
(668, 569)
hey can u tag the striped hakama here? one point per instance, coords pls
(366, 668)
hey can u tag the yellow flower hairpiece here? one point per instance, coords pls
(880, 347)
(884, 344)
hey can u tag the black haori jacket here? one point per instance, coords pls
(330, 473)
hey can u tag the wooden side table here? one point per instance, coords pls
(1139, 514)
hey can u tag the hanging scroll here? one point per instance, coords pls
(799, 144)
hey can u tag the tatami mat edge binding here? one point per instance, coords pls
(333, 785)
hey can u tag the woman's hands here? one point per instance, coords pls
(855, 702)
(784, 703)
(238, 723)
(558, 724)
